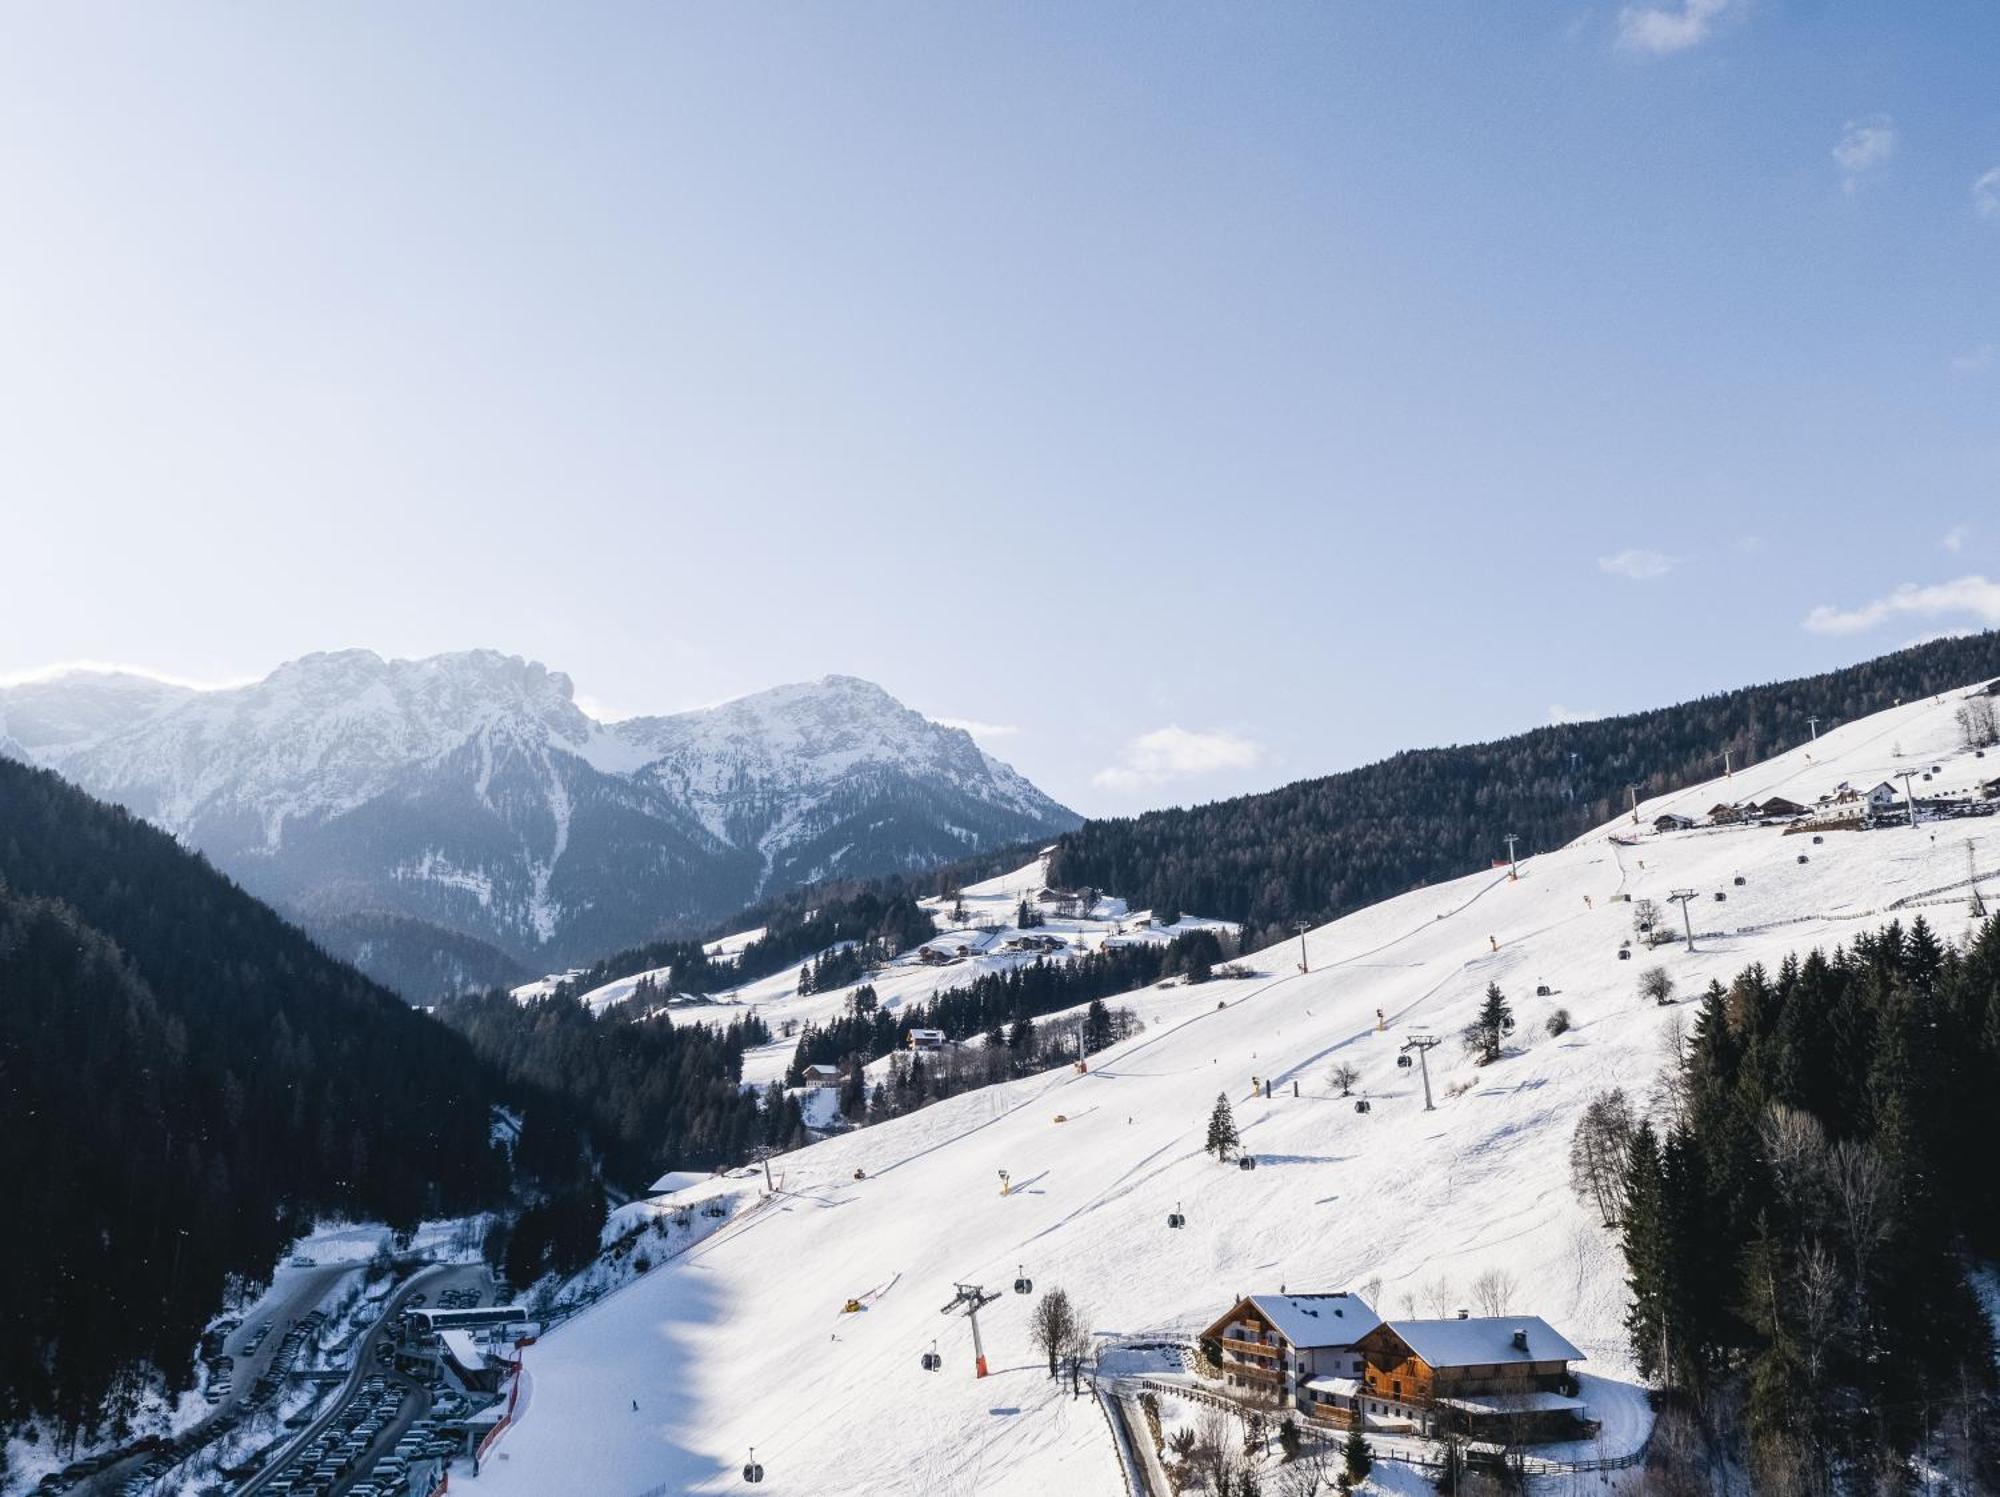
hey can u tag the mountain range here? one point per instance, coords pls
(459, 821)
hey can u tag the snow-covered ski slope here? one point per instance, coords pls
(742, 1341)
(990, 909)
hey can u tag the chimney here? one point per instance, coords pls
(1520, 1340)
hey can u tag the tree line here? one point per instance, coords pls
(1320, 848)
(1797, 1208)
(991, 1004)
(188, 1084)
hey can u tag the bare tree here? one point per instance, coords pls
(1053, 1326)
(1822, 1295)
(1861, 1193)
(1343, 1076)
(1976, 725)
(1795, 1148)
(1493, 1291)
(1218, 1449)
(1657, 985)
(1438, 1296)
(1372, 1290)
(1599, 1153)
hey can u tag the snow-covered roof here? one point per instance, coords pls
(1343, 1387)
(1515, 1403)
(674, 1180)
(1335, 1319)
(464, 1350)
(1482, 1339)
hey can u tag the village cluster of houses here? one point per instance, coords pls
(1504, 1379)
(1885, 804)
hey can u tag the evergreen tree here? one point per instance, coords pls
(1485, 1034)
(1222, 1139)
(1356, 1458)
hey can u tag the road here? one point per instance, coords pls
(293, 1295)
(431, 1281)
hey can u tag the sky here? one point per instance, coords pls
(1184, 397)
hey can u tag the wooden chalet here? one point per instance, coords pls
(1777, 806)
(1667, 821)
(1504, 1378)
(1273, 1345)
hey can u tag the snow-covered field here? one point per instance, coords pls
(990, 910)
(742, 1341)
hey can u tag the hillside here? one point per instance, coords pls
(468, 794)
(1321, 847)
(741, 1341)
(188, 1082)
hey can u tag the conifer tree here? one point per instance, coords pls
(1484, 1035)
(1222, 1139)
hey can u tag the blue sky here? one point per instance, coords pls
(1194, 396)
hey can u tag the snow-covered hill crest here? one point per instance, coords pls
(800, 1327)
(469, 791)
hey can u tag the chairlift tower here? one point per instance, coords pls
(1813, 723)
(1302, 926)
(1423, 1043)
(1909, 794)
(969, 1301)
(1513, 867)
(1681, 897)
(1632, 795)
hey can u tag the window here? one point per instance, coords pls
(1396, 1387)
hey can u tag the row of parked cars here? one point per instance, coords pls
(339, 1449)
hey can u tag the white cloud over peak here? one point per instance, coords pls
(1663, 29)
(1986, 194)
(1864, 145)
(977, 728)
(1559, 714)
(1637, 563)
(1174, 753)
(1974, 595)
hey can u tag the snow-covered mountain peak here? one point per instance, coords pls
(469, 790)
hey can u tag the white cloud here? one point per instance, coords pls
(1559, 714)
(1974, 361)
(1864, 145)
(1973, 595)
(108, 668)
(978, 729)
(1986, 194)
(1638, 564)
(1174, 753)
(1668, 28)
(1954, 539)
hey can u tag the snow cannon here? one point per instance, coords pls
(852, 1307)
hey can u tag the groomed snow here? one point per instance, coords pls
(742, 1341)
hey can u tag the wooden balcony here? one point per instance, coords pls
(1246, 1348)
(1251, 1370)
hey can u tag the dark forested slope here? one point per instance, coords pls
(185, 1081)
(1320, 848)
